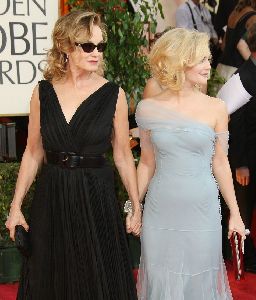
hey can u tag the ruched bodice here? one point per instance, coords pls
(182, 145)
(181, 236)
(190, 156)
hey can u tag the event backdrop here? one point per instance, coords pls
(25, 35)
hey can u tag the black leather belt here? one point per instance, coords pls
(74, 160)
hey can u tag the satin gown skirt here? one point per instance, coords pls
(79, 248)
(181, 236)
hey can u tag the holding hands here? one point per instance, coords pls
(133, 218)
(133, 223)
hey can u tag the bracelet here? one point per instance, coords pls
(128, 206)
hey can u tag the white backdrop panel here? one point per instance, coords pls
(25, 35)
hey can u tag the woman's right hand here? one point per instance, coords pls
(15, 218)
(236, 224)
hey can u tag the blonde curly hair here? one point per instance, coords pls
(66, 32)
(173, 52)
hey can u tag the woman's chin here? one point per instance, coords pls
(202, 81)
(90, 68)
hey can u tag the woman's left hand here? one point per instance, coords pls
(133, 223)
(236, 224)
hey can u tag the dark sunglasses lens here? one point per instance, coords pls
(88, 47)
(101, 47)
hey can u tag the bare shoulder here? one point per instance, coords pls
(121, 92)
(36, 89)
(218, 103)
(35, 103)
(121, 104)
(100, 79)
(218, 107)
(35, 95)
(98, 82)
(219, 110)
(212, 106)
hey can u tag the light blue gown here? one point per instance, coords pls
(181, 234)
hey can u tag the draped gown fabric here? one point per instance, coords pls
(79, 248)
(181, 234)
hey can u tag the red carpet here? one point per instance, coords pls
(241, 290)
(8, 291)
(244, 289)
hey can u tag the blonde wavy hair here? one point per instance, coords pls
(173, 52)
(67, 30)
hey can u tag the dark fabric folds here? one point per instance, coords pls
(79, 248)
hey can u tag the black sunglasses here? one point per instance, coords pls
(89, 47)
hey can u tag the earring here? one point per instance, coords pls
(66, 58)
(198, 87)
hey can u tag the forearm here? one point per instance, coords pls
(124, 162)
(223, 175)
(145, 173)
(27, 173)
(243, 49)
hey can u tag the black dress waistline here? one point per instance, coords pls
(72, 160)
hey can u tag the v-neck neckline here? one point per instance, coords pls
(86, 100)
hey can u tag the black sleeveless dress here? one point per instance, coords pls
(79, 249)
(231, 56)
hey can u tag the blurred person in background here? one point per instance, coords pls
(239, 93)
(221, 18)
(192, 14)
(235, 48)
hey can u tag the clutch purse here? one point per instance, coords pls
(237, 246)
(22, 241)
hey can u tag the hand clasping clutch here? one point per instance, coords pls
(22, 241)
(237, 246)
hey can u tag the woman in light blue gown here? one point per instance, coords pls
(184, 143)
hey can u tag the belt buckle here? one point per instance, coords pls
(70, 160)
(65, 158)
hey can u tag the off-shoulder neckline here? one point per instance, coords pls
(182, 116)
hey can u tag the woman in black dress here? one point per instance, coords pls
(78, 243)
(236, 50)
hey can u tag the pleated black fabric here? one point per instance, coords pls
(79, 249)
